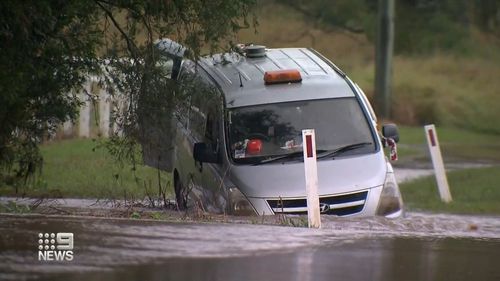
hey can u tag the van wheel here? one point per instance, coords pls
(180, 196)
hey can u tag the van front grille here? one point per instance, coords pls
(340, 205)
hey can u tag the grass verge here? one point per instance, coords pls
(78, 168)
(474, 191)
(457, 145)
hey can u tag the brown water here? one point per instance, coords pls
(418, 247)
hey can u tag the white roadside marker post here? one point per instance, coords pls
(437, 162)
(311, 172)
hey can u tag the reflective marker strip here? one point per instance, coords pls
(309, 146)
(431, 137)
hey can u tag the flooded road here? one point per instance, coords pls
(417, 247)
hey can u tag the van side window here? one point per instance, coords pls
(197, 121)
(181, 112)
(182, 94)
(212, 131)
(204, 100)
(209, 129)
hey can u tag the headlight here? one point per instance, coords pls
(390, 203)
(239, 204)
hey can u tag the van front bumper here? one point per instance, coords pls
(357, 203)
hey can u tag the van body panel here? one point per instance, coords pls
(276, 180)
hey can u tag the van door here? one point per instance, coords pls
(157, 127)
(212, 173)
(205, 124)
(202, 122)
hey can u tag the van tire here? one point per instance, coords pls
(180, 198)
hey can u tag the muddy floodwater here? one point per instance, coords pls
(417, 247)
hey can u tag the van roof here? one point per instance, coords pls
(320, 78)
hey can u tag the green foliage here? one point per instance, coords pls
(426, 26)
(421, 26)
(487, 15)
(351, 15)
(157, 215)
(135, 215)
(13, 207)
(49, 47)
(451, 91)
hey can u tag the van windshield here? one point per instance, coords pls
(257, 134)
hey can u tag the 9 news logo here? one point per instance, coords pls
(55, 247)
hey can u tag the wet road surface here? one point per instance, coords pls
(417, 247)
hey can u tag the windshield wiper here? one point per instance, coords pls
(322, 153)
(342, 149)
(292, 155)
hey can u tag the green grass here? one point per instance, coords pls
(13, 207)
(457, 145)
(447, 90)
(474, 191)
(78, 169)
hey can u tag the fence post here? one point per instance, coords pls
(104, 112)
(437, 162)
(119, 106)
(311, 172)
(84, 124)
(67, 128)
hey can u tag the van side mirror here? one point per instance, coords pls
(203, 152)
(390, 131)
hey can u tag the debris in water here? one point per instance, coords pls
(473, 227)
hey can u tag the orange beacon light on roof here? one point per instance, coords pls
(282, 76)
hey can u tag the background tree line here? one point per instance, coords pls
(421, 26)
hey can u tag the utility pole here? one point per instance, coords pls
(383, 57)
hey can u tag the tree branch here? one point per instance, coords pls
(130, 44)
(315, 19)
